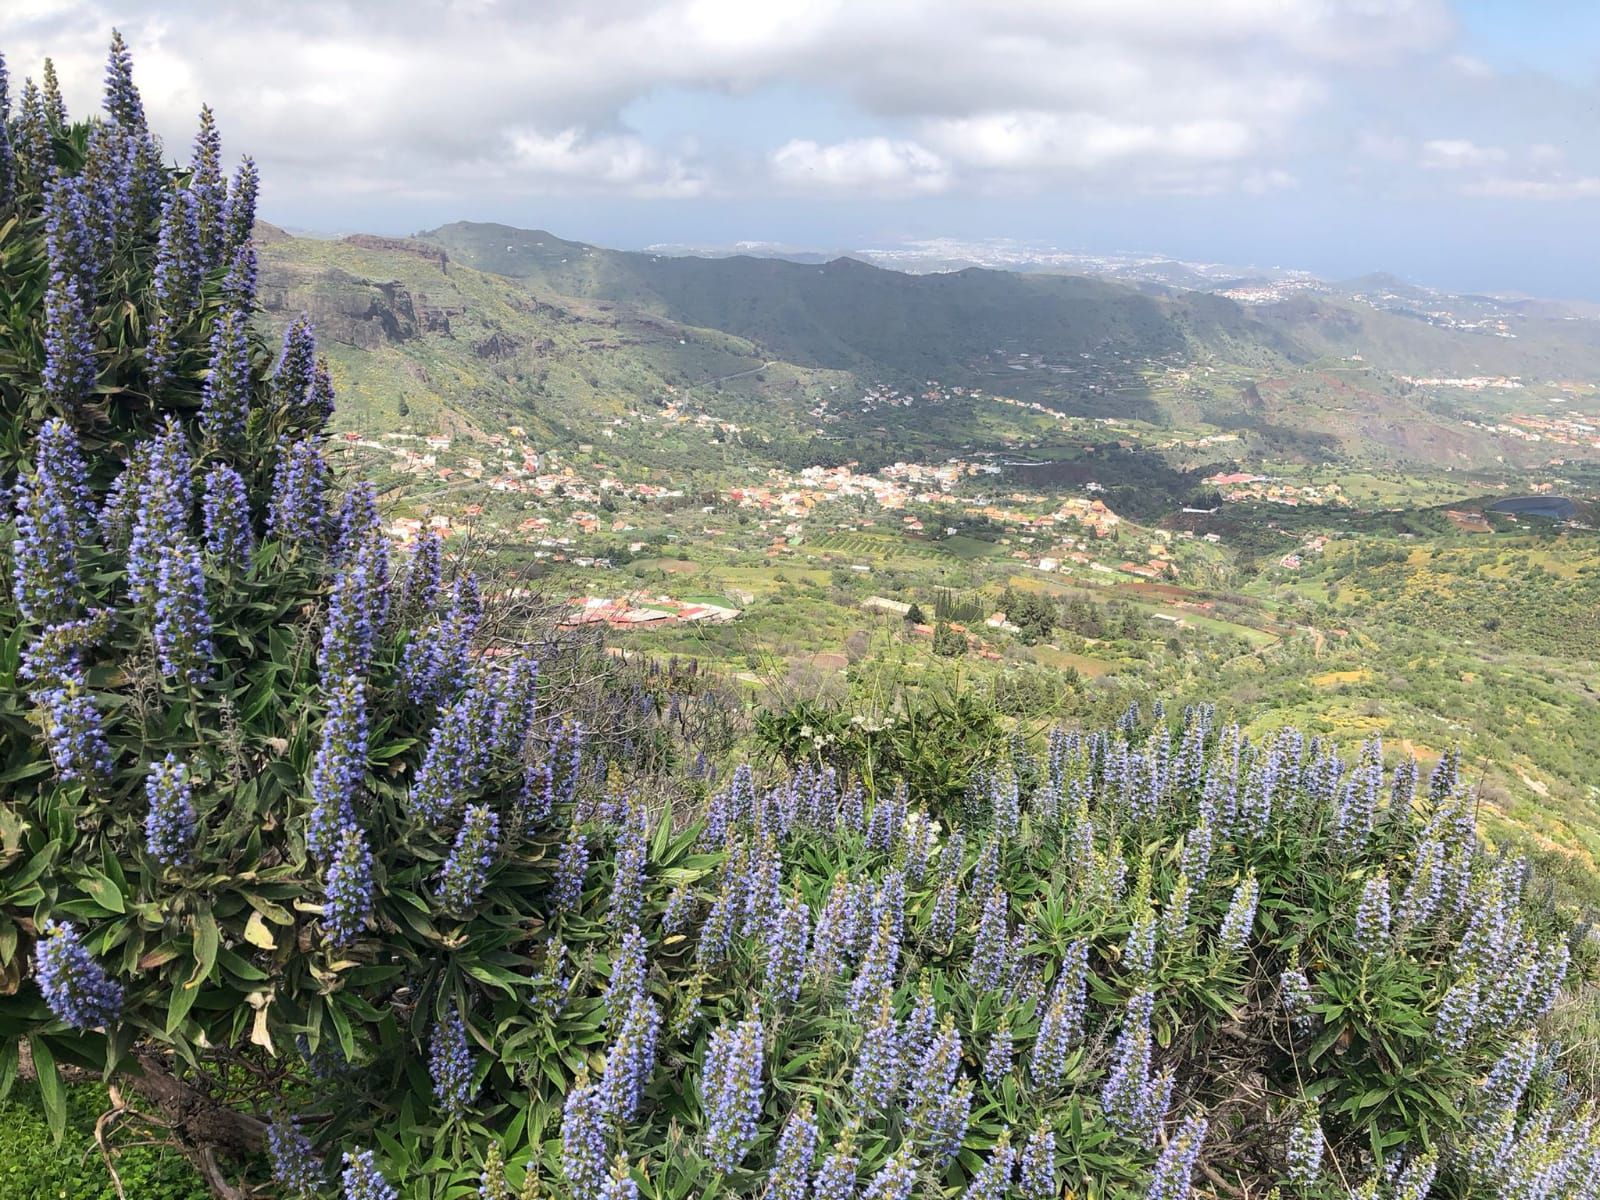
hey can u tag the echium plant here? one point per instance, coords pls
(74, 985)
(731, 1092)
(182, 619)
(363, 1180)
(338, 767)
(149, 697)
(229, 537)
(790, 1178)
(171, 824)
(299, 496)
(209, 189)
(1134, 1097)
(631, 1059)
(295, 1167)
(451, 1065)
(875, 1080)
(179, 266)
(53, 519)
(348, 885)
(466, 871)
(70, 347)
(1175, 1168)
(8, 161)
(583, 1139)
(225, 399)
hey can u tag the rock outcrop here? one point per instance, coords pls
(355, 310)
(369, 241)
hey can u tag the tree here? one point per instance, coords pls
(947, 643)
(1034, 614)
(1083, 617)
(914, 615)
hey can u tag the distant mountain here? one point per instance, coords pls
(483, 326)
(417, 338)
(752, 250)
(1381, 282)
(849, 315)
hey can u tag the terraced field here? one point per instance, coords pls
(867, 545)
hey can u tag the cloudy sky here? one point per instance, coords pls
(1456, 143)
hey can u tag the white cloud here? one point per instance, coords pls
(1034, 141)
(1510, 188)
(615, 161)
(1271, 179)
(419, 97)
(1453, 154)
(878, 165)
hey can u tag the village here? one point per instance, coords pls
(1563, 429)
(1240, 486)
(574, 512)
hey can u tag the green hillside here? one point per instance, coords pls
(404, 324)
(420, 341)
(1537, 347)
(482, 327)
(847, 314)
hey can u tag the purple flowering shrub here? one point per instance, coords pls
(231, 830)
(294, 829)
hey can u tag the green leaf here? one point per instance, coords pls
(207, 941)
(26, 769)
(104, 892)
(341, 1024)
(37, 865)
(240, 967)
(275, 913)
(180, 1002)
(51, 1090)
(508, 981)
(112, 868)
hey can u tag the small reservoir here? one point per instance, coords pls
(1551, 508)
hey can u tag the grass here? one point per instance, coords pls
(1119, 589)
(1091, 668)
(1256, 637)
(1329, 679)
(674, 566)
(33, 1167)
(764, 580)
(868, 545)
(968, 548)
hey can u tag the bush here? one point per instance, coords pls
(1030, 612)
(947, 643)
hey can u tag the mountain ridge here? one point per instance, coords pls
(492, 325)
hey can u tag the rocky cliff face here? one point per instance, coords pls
(424, 250)
(496, 346)
(348, 308)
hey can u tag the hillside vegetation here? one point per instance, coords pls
(846, 314)
(486, 325)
